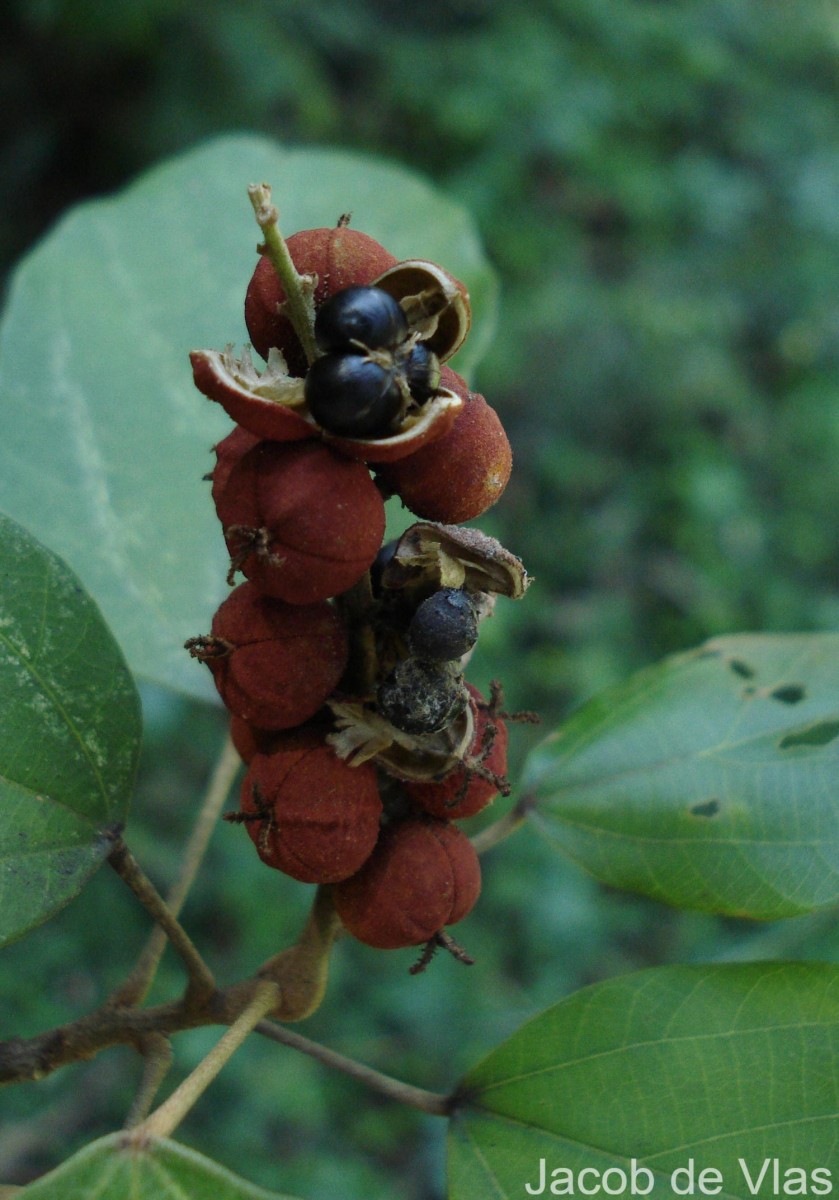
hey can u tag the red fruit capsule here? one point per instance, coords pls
(460, 475)
(249, 740)
(274, 664)
(300, 521)
(228, 452)
(473, 784)
(424, 874)
(337, 257)
(308, 813)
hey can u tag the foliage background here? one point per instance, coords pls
(657, 185)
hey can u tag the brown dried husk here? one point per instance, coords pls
(430, 556)
(362, 735)
(436, 304)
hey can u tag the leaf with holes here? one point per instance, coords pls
(69, 734)
(727, 1067)
(112, 1169)
(105, 438)
(707, 781)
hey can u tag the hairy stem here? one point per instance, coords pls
(137, 985)
(299, 307)
(201, 981)
(165, 1119)
(405, 1093)
(33, 1058)
(299, 974)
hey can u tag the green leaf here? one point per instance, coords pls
(110, 1169)
(105, 438)
(707, 781)
(69, 734)
(710, 1064)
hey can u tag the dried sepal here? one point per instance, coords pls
(430, 556)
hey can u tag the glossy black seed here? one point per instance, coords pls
(350, 395)
(360, 314)
(420, 697)
(444, 627)
(422, 372)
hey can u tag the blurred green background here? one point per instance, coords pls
(657, 184)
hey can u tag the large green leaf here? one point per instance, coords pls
(105, 438)
(709, 780)
(109, 1169)
(710, 1064)
(69, 733)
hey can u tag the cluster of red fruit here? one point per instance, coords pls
(340, 660)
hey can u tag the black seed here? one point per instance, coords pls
(351, 395)
(360, 314)
(422, 372)
(444, 627)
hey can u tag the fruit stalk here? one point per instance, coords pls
(299, 306)
(301, 971)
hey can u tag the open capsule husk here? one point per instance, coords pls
(362, 734)
(436, 304)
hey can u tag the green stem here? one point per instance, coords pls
(221, 781)
(165, 1119)
(501, 829)
(404, 1093)
(299, 307)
